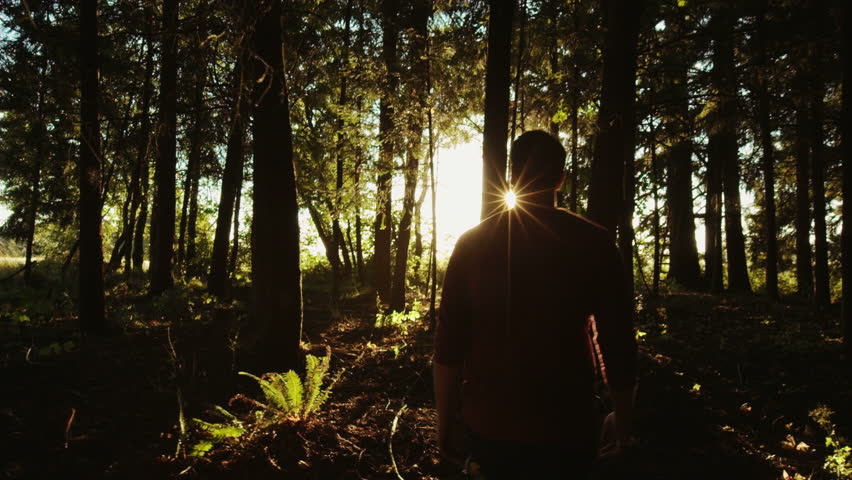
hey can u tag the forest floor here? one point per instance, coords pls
(727, 384)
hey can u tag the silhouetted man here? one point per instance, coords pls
(511, 343)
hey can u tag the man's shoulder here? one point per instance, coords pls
(580, 223)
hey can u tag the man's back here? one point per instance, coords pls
(517, 297)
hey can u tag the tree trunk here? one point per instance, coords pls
(846, 140)
(163, 217)
(235, 247)
(683, 252)
(496, 124)
(217, 282)
(422, 12)
(804, 269)
(519, 71)
(337, 232)
(616, 118)
(387, 131)
(276, 274)
(724, 82)
(767, 159)
(817, 90)
(137, 253)
(92, 314)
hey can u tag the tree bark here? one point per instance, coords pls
(137, 254)
(846, 146)
(387, 131)
(767, 161)
(276, 273)
(804, 269)
(725, 146)
(217, 282)
(496, 124)
(163, 216)
(92, 310)
(614, 145)
(417, 88)
(817, 141)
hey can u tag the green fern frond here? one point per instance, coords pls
(316, 371)
(273, 395)
(293, 391)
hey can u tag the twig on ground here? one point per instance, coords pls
(68, 426)
(390, 440)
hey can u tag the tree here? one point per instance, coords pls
(276, 273)
(217, 282)
(387, 131)
(817, 141)
(496, 125)
(614, 143)
(767, 161)
(163, 216)
(422, 9)
(678, 127)
(846, 140)
(92, 314)
(804, 267)
(723, 144)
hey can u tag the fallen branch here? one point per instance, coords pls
(390, 440)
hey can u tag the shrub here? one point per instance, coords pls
(839, 461)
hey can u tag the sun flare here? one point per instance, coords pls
(511, 199)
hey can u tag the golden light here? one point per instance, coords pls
(511, 199)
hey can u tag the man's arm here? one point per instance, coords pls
(616, 341)
(452, 340)
(447, 399)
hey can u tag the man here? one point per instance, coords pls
(511, 342)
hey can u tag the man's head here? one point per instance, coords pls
(538, 162)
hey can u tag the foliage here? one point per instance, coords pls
(839, 461)
(399, 320)
(288, 396)
(216, 432)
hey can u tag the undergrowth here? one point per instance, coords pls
(286, 398)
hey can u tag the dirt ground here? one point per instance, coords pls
(726, 387)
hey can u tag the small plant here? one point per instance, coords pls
(399, 320)
(839, 462)
(287, 396)
(230, 427)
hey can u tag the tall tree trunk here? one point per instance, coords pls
(343, 67)
(387, 131)
(420, 21)
(276, 274)
(39, 135)
(217, 282)
(163, 217)
(804, 269)
(235, 247)
(724, 81)
(92, 314)
(616, 118)
(519, 72)
(496, 124)
(683, 251)
(817, 90)
(767, 162)
(137, 253)
(655, 186)
(846, 140)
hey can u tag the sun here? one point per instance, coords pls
(511, 199)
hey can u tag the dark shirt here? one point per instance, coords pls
(516, 304)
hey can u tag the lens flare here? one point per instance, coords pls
(511, 199)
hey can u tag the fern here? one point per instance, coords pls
(316, 371)
(216, 433)
(290, 397)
